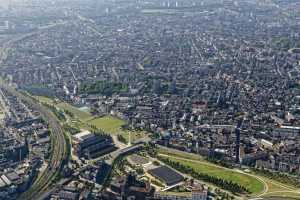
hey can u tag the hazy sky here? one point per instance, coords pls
(4, 3)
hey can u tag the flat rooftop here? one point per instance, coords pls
(83, 135)
(167, 175)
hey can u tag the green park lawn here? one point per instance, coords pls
(84, 120)
(179, 154)
(44, 99)
(113, 125)
(81, 115)
(108, 124)
(252, 184)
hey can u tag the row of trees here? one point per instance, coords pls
(69, 113)
(122, 139)
(71, 129)
(225, 184)
(103, 87)
(58, 113)
(219, 162)
(223, 195)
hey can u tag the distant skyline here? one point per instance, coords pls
(4, 3)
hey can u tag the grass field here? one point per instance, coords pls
(282, 195)
(279, 190)
(180, 194)
(1, 116)
(196, 162)
(273, 187)
(84, 120)
(108, 124)
(180, 154)
(79, 114)
(44, 99)
(159, 11)
(113, 125)
(254, 185)
(259, 186)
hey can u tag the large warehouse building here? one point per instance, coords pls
(90, 145)
(167, 175)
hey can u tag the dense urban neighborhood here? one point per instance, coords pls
(148, 99)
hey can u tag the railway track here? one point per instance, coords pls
(58, 142)
(58, 147)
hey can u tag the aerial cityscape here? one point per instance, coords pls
(149, 99)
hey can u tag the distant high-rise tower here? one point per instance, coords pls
(211, 146)
(237, 140)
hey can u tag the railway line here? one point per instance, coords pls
(58, 148)
(58, 142)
